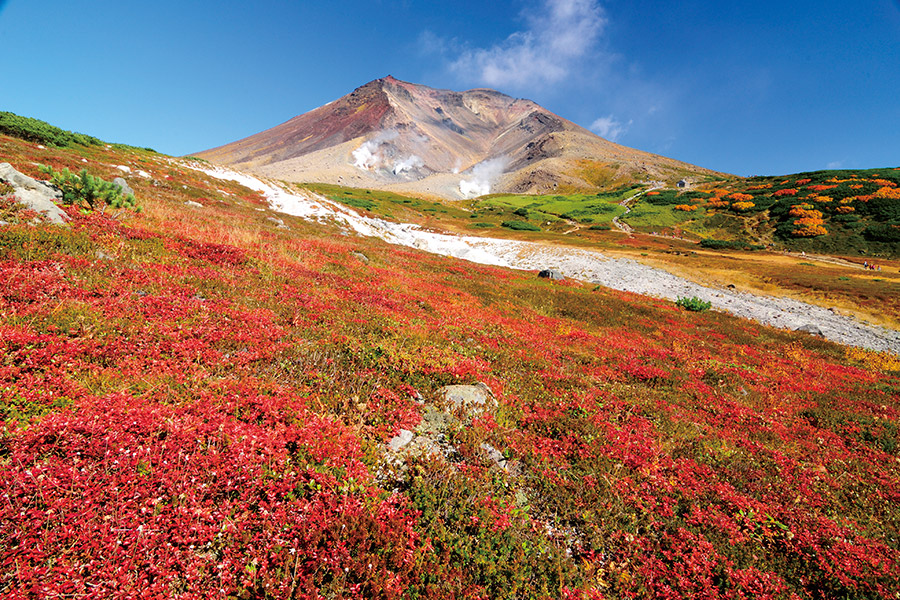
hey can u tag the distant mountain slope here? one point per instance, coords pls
(390, 134)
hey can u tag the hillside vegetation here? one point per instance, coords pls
(196, 403)
(842, 212)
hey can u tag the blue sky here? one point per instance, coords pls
(765, 87)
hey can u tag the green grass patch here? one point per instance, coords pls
(520, 226)
(586, 208)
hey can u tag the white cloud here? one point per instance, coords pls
(835, 164)
(559, 34)
(610, 128)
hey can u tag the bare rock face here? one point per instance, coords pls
(35, 195)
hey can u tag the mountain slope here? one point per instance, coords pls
(390, 134)
(207, 399)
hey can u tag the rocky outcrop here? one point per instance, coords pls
(35, 195)
(454, 406)
(551, 274)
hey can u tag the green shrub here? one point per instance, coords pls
(522, 212)
(84, 188)
(662, 198)
(885, 232)
(694, 304)
(482, 225)
(520, 226)
(732, 244)
(357, 203)
(42, 132)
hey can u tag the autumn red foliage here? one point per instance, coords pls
(196, 404)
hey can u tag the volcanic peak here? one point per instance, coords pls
(392, 134)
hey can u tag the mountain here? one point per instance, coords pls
(390, 134)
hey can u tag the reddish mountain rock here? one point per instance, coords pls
(390, 134)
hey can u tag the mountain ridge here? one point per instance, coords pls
(401, 136)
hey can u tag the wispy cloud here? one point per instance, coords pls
(610, 128)
(835, 164)
(558, 35)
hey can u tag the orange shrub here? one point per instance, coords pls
(803, 181)
(742, 206)
(738, 197)
(810, 230)
(805, 211)
(717, 203)
(786, 192)
(763, 186)
(821, 188)
(888, 192)
(844, 209)
(824, 199)
(685, 207)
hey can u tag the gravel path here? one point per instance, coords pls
(617, 273)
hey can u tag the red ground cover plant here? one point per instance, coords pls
(196, 405)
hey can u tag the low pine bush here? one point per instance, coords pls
(693, 304)
(84, 188)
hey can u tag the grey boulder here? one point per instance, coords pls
(34, 195)
(551, 274)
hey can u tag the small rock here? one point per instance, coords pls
(362, 257)
(124, 169)
(494, 455)
(194, 204)
(810, 329)
(402, 439)
(275, 220)
(551, 274)
(123, 185)
(143, 174)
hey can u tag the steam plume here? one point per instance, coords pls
(370, 154)
(483, 176)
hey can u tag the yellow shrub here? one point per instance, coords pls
(883, 361)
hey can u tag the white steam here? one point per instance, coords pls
(381, 153)
(408, 164)
(371, 154)
(483, 176)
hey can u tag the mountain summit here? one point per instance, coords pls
(390, 134)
